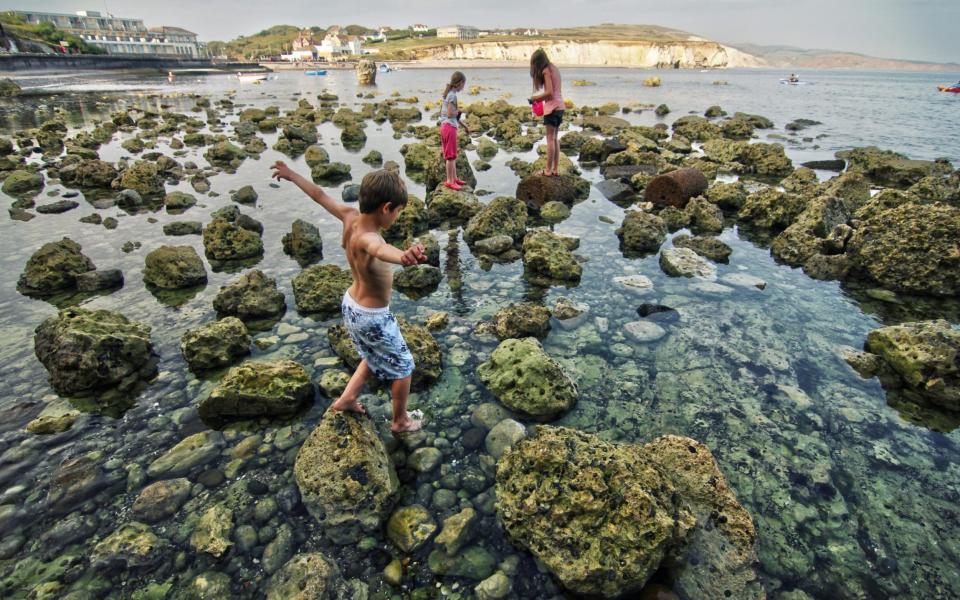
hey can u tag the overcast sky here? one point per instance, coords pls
(909, 29)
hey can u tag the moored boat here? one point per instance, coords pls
(953, 89)
(251, 77)
(316, 72)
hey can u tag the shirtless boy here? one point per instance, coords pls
(366, 304)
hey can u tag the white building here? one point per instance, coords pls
(460, 32)
(120, 35)
(338, 44)
(420, 28)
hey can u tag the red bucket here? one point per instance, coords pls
(538, 108)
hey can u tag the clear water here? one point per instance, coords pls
(852, 497)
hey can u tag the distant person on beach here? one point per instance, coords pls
(373, 329)
(450, 124)
(793, 78)
(546, 88)
(171, 77)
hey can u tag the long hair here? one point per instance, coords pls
(456, 79)
(538, 62)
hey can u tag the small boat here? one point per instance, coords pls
(316, 72)
(953, 89)
(792, 82)
(251, 77)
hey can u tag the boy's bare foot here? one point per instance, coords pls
(349, 405)
(407, 425)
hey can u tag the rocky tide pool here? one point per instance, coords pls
(753, 393)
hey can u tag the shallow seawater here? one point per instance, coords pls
(851, 497)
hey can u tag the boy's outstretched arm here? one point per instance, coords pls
(337, 209)
(374, 245)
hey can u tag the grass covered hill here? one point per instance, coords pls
(273, 41)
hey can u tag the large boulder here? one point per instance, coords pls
(910, 248)
(54, 268)
(604, 517)
(807, 236)
(450, 206)
(765, 161)
(320, 288)
(346, 478)
(411, 222)
(521, 321)
(547, 257)
(641, 232)
(427, 355)
(886, 168)
(772, 209)
(526, 380)
(253, 296)
(303, 243)
(256, 389)
(85, 350)
(143, 177)
(435, 172)
(366, 72)
(537, 190)
(216, 344)
(502, 216)
(89, 174)
(20, 183)
(223, 240)
(174, 267)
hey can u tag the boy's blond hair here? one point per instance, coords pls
(382, 187)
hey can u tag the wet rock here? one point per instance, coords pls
(521, 321)
(208, 585)
(728, 196)
(253, 296)
(9, 88)
(19, 183)
(617, 192)
(84, 350)
(191, 452)
(160, 500)
(94, 281)
(174, 267)
(278, 551)
(178, 228)
(925, 357)
(333, 383)
(526, 380)
(213, 533)
(320, 288)
(411, 222)
(74, 481)
(223, 240)
(56, 417)
(351, 193)
(644, 332)
(494, 587)
(224, 154)
(417, 277)
(537, 190)
(346, 479)
(410, 527)
(330, 174)
(707, 247)
(494, 245)
(886, 168)
(696, 128)
(366, 72)
(307, 576)
(143, 177)
(437, 321)
(502, 216)
(316, 155)
(765, 161)
(303, 243)
(554, 212)
(426, 351)
(476, 563)
(216, 344)
(641, 232)
(806, 236)
(826, 165)
(132, 546)
(910, 248)
(179, 201)
(744, 280)
(683, 262)
(451, 207)
(54, 268)
(60, 206)
(604, 124)
(547, 256)
(457, 531)
(129, 200)
(257, 389)
(714, 112)
(373, 158)
(772, 209)
(704, 216)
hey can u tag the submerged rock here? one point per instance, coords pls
(132, 546)
(85, 350)
(683, 262)
(213, 532)
(303, 243)
(161, 499)
(259, 389)
(174, 267)
(346, 479)
(772, 209)
(179, 201)
(54, 268)
(216, 344)
(320, 288)
(94, 281)
(410, 527)
(309, 576)
(526, 380)
(253, 296)
(189, 453)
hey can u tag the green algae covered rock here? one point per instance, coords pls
(223, 240)
(911, 248)
(189, 453)
(772, 209)
(436, 173)
(696, 128)
(427, 355)
(20, 183)
(208, 585)
(417, 277)
(308, 576)
(526, 380)
(502, 216)
(410, 527)
(174, 267)
(684, 262)
(54, 268)
(600, 516)
(547, 258)
(224, 154)
(520, 321)
(764, 161)
(143, 177)
(925, 355)
(346, 479)
(641, 232)
(303, 243)
(132, 546)
(256, 389)
(411, 222)
(475, 562)
(330, 173)
(457, 530)
(807, 235)
(253, 296)
(179, 201)
(216, 344)
(320, 288)
(213, 532)
(452, 207)
(886, 168)
(85, 350)
(707, 247)
(161, 499)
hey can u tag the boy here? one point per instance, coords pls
(366, 304)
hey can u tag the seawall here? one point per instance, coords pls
(12, 63)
